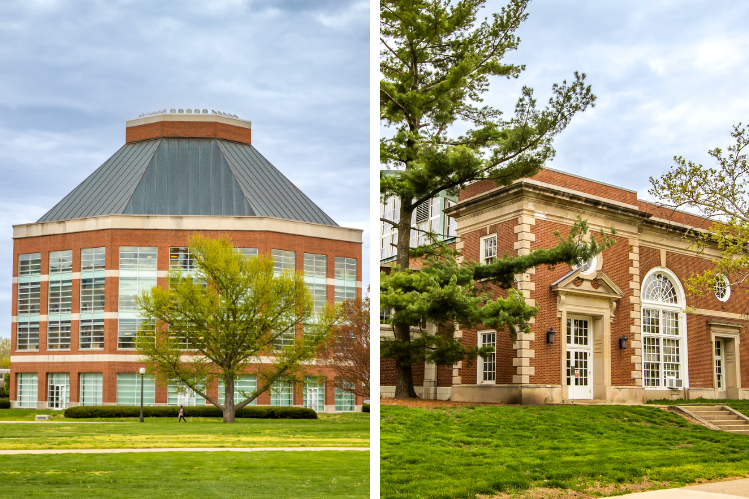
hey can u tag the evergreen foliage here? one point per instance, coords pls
(437, 59)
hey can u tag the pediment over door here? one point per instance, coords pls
(602, 288)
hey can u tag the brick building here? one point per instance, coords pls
(77, 270)
(620, 331)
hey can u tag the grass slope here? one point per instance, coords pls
(207, 475)
(464, 451)
(330, 430)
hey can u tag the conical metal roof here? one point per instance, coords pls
(184, 176)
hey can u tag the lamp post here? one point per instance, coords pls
(142, 372)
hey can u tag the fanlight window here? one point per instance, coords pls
(659, 288)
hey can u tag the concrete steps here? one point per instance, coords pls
(718, 417)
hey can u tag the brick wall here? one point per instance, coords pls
(188, 129)
(562, 180)
(163, 240)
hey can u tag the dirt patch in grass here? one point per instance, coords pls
(597, 491)
(429, 404)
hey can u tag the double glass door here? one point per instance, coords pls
(313, 399)
(58, 396)
(579, 359)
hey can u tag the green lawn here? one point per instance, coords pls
(463, 451)
(330, 430)
(207, 475)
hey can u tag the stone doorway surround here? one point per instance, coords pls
(729, 333)
(593, 294)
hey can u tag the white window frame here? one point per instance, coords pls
(281, 392)
(92, 387)
(30, 333)
(345, 401)
(93, 295)
(316, 278)
(60, 295)
(61, 262)
(30, 264)
(283, 261)
(180, 259)
(56, 340)
(480, 361)
(246, 383)
(94, 334)
(719, 365)
(27, 394)
(93, 259)
(128, 389)
(677, 308)
(345, 279)
(726, 283)
(482, 248)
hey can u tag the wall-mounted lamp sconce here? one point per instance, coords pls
(551, 335)
(623, 342)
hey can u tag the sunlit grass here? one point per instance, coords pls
(464, 451)
(334, 430)
(209, 475)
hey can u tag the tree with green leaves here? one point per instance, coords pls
(437, 60)
(718, 194)
(232, 312)
(4, 353)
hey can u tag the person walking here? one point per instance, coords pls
(182, 415)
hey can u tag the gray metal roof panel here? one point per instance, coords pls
(107, 187)
(267, 190)
(183, 176)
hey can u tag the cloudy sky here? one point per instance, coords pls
(671, 78)
(72, 72)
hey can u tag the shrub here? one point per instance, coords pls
(207, 411)
(5, 403)
(365, 408)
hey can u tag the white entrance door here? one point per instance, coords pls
(579, 358)
(57, 396)
(719, 367)
(313, 399)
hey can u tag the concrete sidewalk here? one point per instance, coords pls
(716, 490)
(181, 449)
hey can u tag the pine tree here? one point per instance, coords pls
(436, 61)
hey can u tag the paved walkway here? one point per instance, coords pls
(180, 449)
(716, 490)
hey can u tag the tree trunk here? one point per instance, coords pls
(229, 410)
(404, 382)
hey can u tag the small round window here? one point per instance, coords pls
(722, 287)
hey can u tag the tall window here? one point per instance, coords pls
(127, 331)
(91, 334)
(345, 279)
(488, 249)
(250, 252)
(451, 225)
(58, 334)
(91, 388)
(92, 294)
(179, 394)
(30, 264)
(180, 259)
(285, 339)
(137, 274)
(389, 210)
(282, 393)
(92, 259)
(315, 276)
(662, 332)
(244, 387)
(128, 389)
(488, 362)
(283, 261)
(29, 294)
(27, 335)
(720, 384)
(61, 262)
(60, 296)
(28, 385)
(344, 399)
(137, 258)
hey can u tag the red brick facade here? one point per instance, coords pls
(112, 240)
(188, 129)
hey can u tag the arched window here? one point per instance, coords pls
(663, 331)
